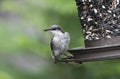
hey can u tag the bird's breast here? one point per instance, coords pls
(61, 42)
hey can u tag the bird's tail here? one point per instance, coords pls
(55, 61)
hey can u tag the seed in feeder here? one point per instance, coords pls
(103, 6)
(89, 19)
(89, 0)
(118, 1)
(83, 0)
(100, 14)
(108, 36)
(88, 32)
(114, 15)
(82, 18)
(84, 24)
(95, 11)
(96, 23)
(91, 5)
(91, 28)
(87, 36)
(109, 11)
(97, 38)
(117, 30)
(108, 31)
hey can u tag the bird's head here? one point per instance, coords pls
(55, 30)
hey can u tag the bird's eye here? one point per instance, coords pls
(54, 28)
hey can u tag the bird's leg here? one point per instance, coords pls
(55, 60)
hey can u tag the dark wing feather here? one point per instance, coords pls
(52, 47)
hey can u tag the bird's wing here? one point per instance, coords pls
(53, 53)
(52, 48)
(67, 37)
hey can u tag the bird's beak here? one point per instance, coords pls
(47, 29)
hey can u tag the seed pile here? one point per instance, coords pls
(99, 18)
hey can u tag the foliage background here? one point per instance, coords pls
(24, 46)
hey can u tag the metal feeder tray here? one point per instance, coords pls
(108, 48)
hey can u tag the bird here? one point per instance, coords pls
(59, 42)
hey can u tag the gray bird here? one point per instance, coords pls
(59, 42)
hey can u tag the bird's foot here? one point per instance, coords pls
(69, 57)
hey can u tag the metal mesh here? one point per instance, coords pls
(99, 18)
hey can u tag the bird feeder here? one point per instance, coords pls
(100, 20)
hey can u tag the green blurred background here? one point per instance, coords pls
(24, 46)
